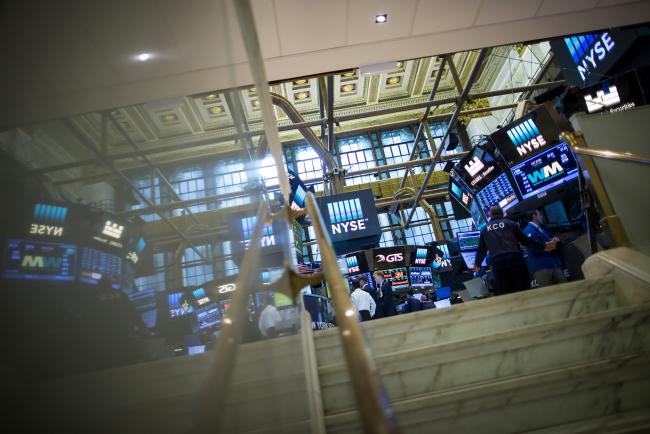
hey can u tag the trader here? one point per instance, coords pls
(362, 302)
(385, 302)
(545, 266)
(501, 237)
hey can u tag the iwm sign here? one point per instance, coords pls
(351, 219)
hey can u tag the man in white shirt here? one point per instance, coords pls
(269, 318)
(362, 302)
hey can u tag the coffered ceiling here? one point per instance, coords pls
(76, 56)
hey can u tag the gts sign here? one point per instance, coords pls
(393, 257)
(545, 172)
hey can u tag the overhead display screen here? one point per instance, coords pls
(545, 171)
(498, 192)
(441, 261)
(351, 216)
(389, 257)
(179, 304)
(398, 277)
(459, 191)
(468, 244)
(38, 260)
(356, 263)
(96, 264)
(477, 169)
(208, 316)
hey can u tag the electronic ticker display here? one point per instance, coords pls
(545, 171)
(420, 277)
(95, 264)
(398, 277)
(498, 192)
(39, 260)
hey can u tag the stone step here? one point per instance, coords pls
(525, 351)
(552, 401)
(470, 319)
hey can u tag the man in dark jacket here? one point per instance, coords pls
(545, 266)
(385, 302)
(502, 237)
(369, 289)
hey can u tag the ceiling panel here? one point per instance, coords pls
(615, 2)
(498, 11)
(550, 7)
(361, 20)
(441, 15)
(311, 25)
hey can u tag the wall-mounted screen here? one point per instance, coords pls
(498, 192)
(420, 277)
(398, 277)
(38, 260)
(477, 169)
(95, 264)
(545, 171)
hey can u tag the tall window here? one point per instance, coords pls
(450, 226)
(196, 274)
(230, 177)
(420, 232)
(157, 280)
(397, 145)
(356, 153)
(189, 183)
(149, 186)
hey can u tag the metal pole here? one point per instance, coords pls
(372, 401)
(126, 179)
(454, 118)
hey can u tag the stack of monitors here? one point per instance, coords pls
(468, 244)
(498, 192)
(398, 277)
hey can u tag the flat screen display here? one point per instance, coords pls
(366, 276)
(498, 192)
(545, 171)
(556, 214)
(389, 257)
(200, 296)
(477, 169)
(179, 305)
(443, 293)
(421, 277)
(208, 316)
(349, 216)
(96, 264)
(356, 263)
(468, 244)
(38, 260)
(398, 277)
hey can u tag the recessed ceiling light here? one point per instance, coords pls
(143, 57)
(380, 19)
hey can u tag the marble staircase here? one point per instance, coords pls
(563, 359)
(547, 360)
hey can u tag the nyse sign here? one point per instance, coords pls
(52, 231)
(589, 51)
(350, 226)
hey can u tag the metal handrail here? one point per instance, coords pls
(612, 155)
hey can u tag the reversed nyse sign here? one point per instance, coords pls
(248, 226)
(526, 137)
(48, 220)
(346, 216)
(589, 51)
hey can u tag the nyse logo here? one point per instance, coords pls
(346, 216)
(132, 257)
(526, 137)
(394, 257)
(587, 51)
(421, 256)
(353, 264)
(545, 172)
(49, 262)
(474, 167)
(225, 288)
(48, 220)
(113, 230)
(602, 100)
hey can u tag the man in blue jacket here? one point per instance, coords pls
(545, 266)
(501, 237)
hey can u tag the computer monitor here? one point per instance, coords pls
(498, 192)
(556, 214)
(398, 277)
(96, 264)
(547, 170)
(443, 293)
(208, 316)
(39, 260)
(468, 244)
(420, 277)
